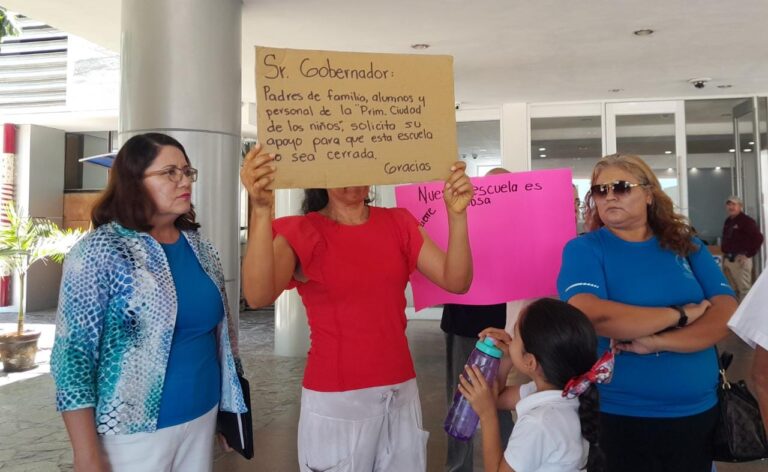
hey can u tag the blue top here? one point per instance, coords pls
(667, 385)
(192, 377)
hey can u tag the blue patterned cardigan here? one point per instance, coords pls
(114, 325)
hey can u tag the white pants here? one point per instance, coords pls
(187, 447)
(374, 429)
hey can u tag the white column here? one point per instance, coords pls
(180, 75)
(40, 192)
(515, 144)
(291, 327)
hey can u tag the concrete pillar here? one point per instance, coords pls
(291, 327)
(39, 169)
(515, 142)
(180, 75)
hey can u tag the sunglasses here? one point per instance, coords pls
(618, 187)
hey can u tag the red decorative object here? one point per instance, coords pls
(9, 138)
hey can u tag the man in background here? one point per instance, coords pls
(741, 241)
(462, 324)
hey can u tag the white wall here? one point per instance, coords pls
(40, 192)
(95, 177)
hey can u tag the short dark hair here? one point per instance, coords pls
(126, 200)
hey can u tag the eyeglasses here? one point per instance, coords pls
(175, 174)
(618, 187)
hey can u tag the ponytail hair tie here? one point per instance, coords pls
(600, 373)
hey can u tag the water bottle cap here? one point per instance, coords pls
(486, 346)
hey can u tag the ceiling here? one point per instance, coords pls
(547, 50)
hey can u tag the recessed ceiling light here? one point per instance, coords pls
(731, 150)
(694, 169)
(643, 32)
(542, 155)
(616, 90)
(724, 86)
(420, 46)
(751, 143)
(747, 150)
(718, 168)
(669, 169)
(667, 152)
(542, 149)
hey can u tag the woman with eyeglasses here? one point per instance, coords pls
(143, 358)
(653, 291)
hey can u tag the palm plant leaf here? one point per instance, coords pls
(8, 26)
(26, 240)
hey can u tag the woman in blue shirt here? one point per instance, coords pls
(652, 290)
(142, 357)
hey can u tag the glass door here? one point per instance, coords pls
(748, 169)
(655, 131)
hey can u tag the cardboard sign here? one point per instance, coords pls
(339, 119)
(518, 226)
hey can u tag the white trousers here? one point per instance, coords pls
(374, 429)
(187, 447)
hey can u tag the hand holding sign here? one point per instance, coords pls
(257, 173)
(458, 190)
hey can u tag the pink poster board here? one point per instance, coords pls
(518, 226)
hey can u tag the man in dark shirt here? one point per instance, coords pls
(462, 324)
(741, 241)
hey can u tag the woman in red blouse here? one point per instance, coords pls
(351, 262)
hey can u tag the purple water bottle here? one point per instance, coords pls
(462, 420)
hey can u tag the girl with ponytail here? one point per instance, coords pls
(557, 427)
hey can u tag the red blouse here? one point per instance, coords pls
(355, 296)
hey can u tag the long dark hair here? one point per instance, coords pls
(315, 199)
(564, 343)
(125, 200)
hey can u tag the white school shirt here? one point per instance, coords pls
(750, 321)
(547, 436)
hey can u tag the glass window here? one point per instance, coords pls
(479, 145)
(574, 142)
(711, 163)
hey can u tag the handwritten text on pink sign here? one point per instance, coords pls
(518, 226)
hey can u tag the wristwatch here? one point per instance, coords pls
(683, 317)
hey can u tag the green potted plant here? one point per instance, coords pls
(8, 25)
(25, 240)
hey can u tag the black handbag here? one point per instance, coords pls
(237, 428)
(740, 434)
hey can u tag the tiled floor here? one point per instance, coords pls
(32, 436)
